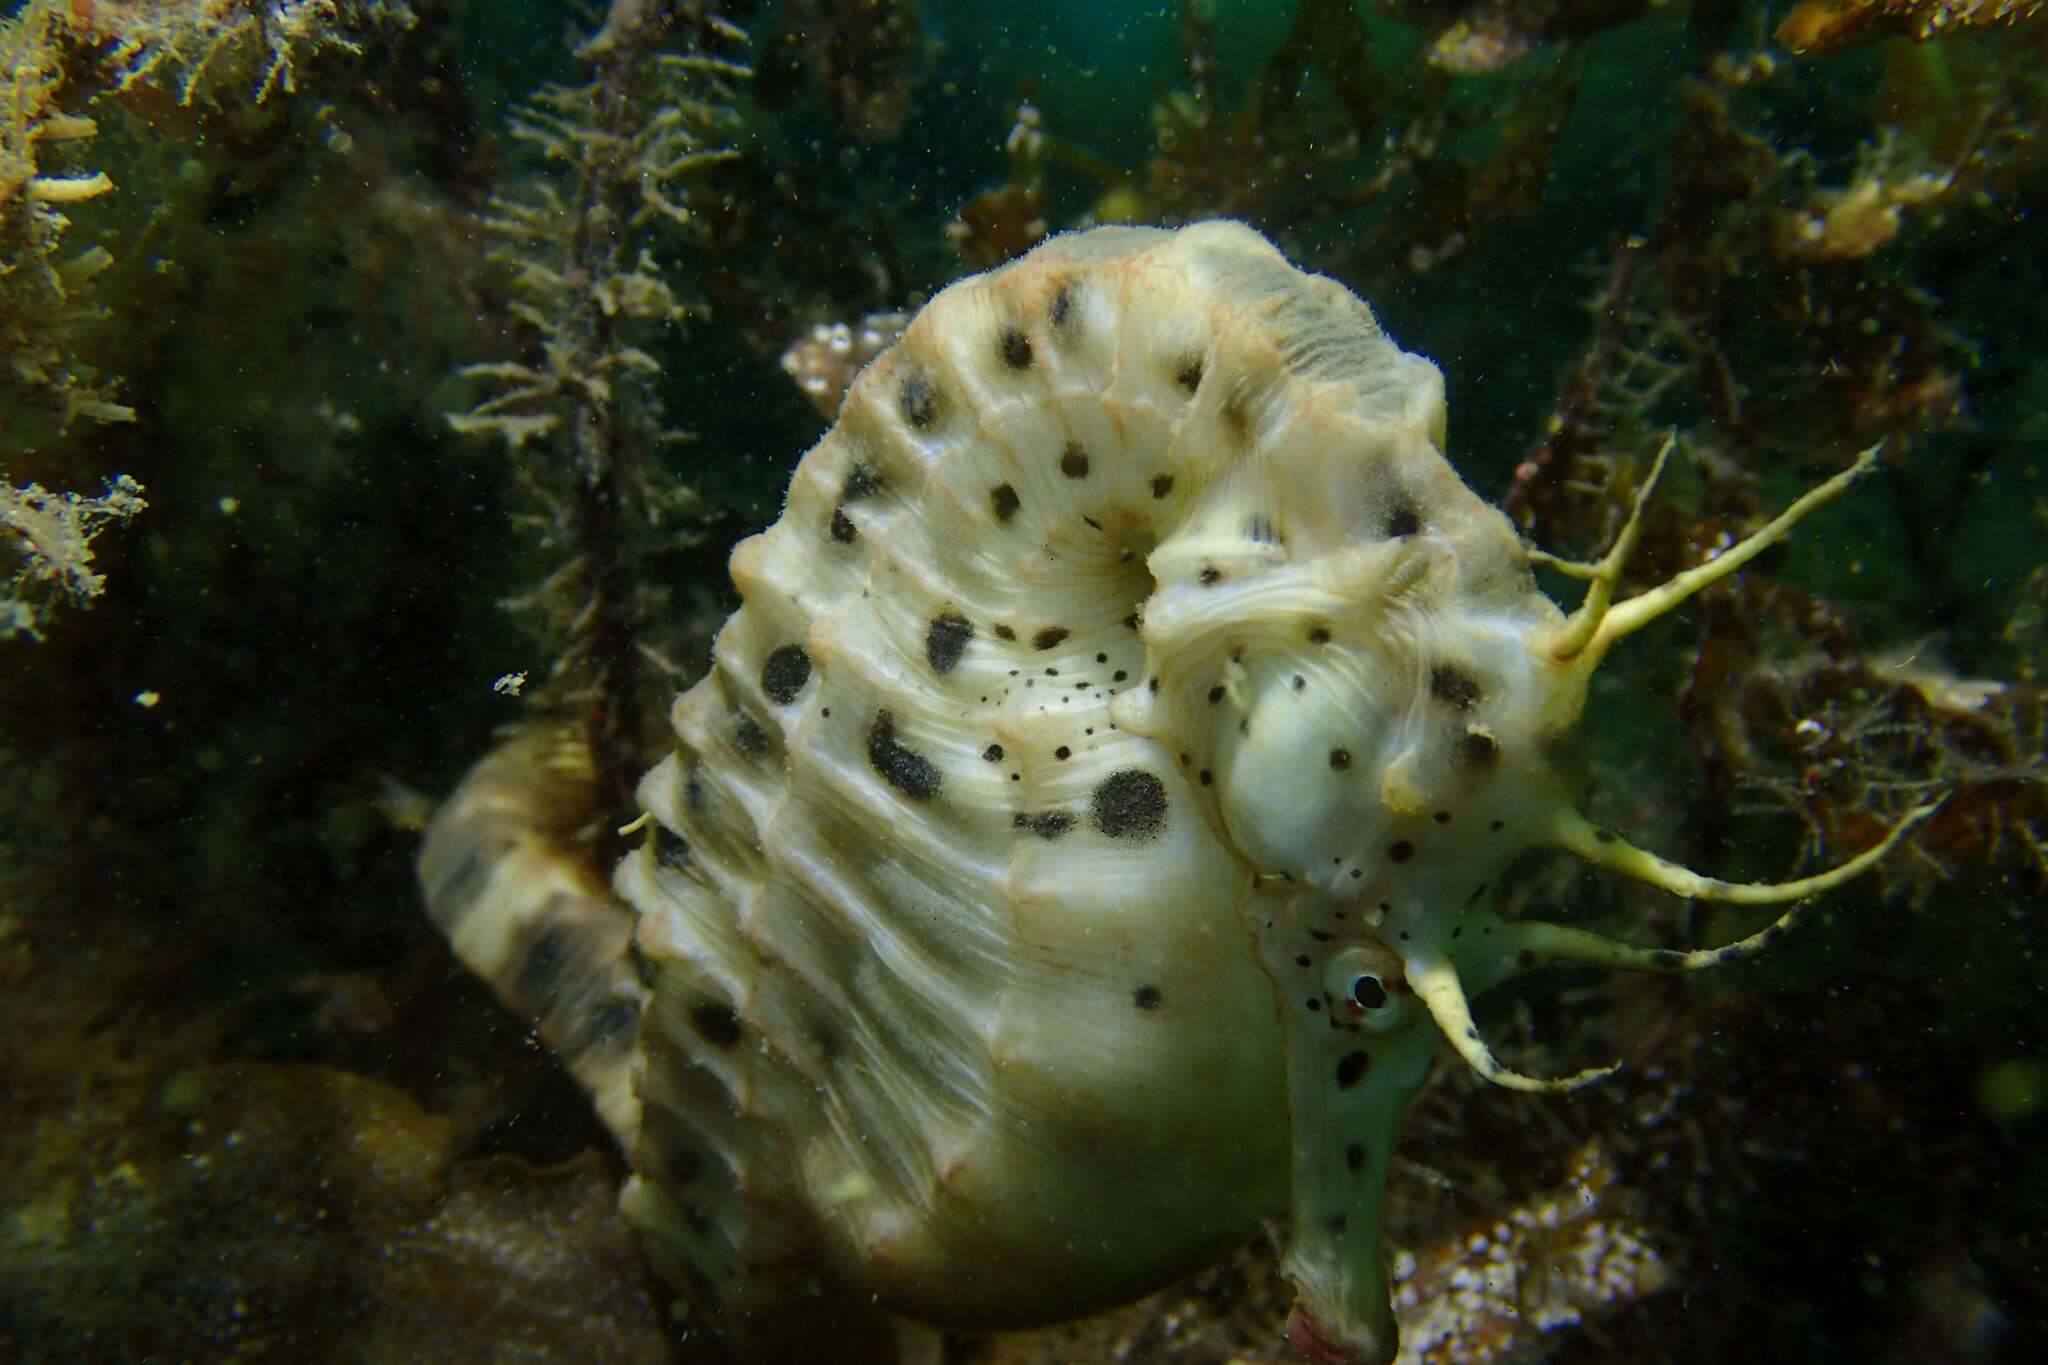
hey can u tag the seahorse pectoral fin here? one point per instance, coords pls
(1435, 982)
(1592, 630)
(1546, 943)
(1534, 942)
(1605, 572)
(1605, 849)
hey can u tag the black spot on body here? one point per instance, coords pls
(1216, 694)
(1129, 805)
(918, 400)
(861, 480)
(1146, 997)
(1400, 851)
(693, 791)
(1477, 748)
(1403, 521)
(909, 772)
(1319, 635)
(841, 527)
(463, 884)
(785, 673)
(1340, 759)
(1354, 1156)
(1336, 1222)
(1453, 686)
(1162, 484)
(1005, 633)
(1074, 461)
(993, 753)
(1061, 313)
(542, 966)
(1351, 1070)
(748, 738)
(1047, 638)
(1211, 575)
(608, 1025)
(1188, 373)
(1046, 825)
(1016, 349)
(1002, 500)
(716, 1024)
(947, 640)
(1063, 753)
(671, 850)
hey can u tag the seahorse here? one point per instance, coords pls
(1082, 840)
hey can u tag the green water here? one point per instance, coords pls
(210, 920)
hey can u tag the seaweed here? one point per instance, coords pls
(44, 301)
(46, 309)
(1830, 25)
(625, 150)
(52, 532)
(862, 55)
(1379, 170)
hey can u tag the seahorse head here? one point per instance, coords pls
(1350, 657)
(1375, 731)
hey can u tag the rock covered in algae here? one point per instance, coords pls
(161, 1200)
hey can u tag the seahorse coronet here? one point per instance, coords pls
(1084, 828)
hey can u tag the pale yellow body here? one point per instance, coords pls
(1127, 649)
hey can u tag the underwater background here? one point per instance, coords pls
(374, 376)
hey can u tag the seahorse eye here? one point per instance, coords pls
(1368, 994)
(1364, 985)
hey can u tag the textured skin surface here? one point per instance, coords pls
(1127, 649)
(989, 975)
(949, 997)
